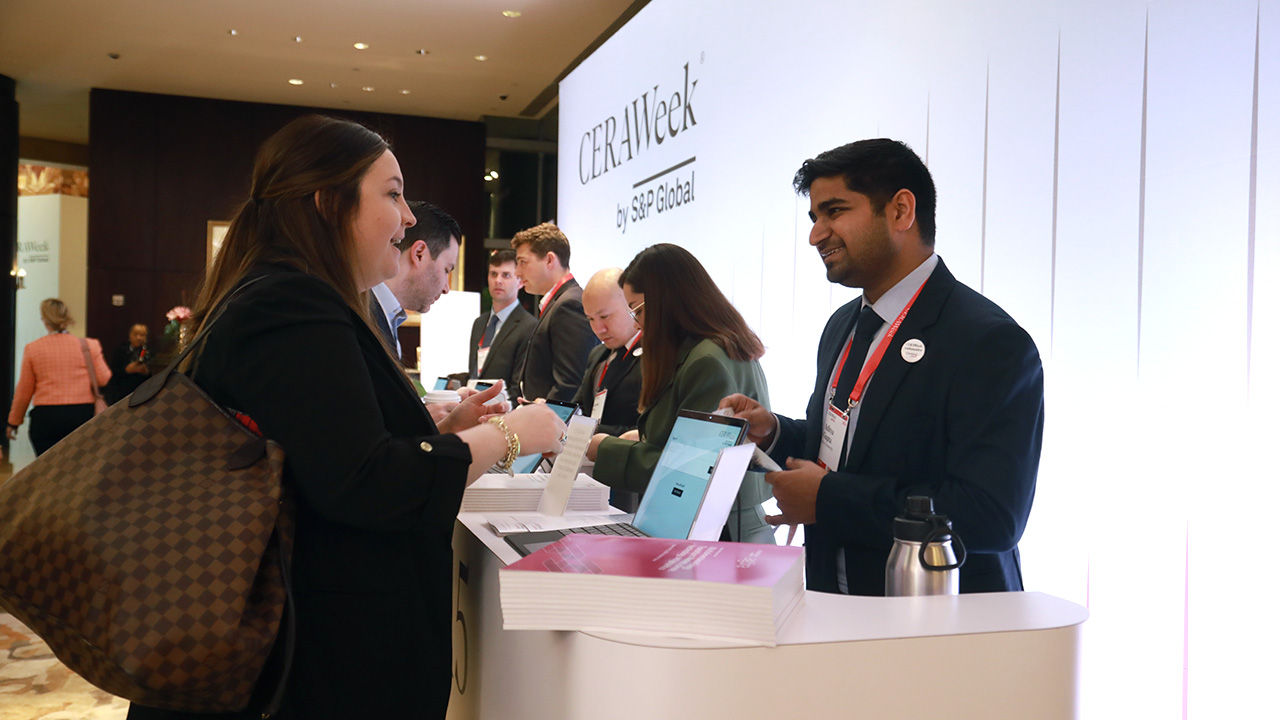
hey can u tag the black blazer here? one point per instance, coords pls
(558, 349)
(122, 383)
(506, 353)
(623, 382)
(377, 491)
(963, 424)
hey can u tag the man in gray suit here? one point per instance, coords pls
(499, 337)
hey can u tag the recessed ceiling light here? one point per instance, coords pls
(482, 58)
(333, 85)
(404, 92)
(367, 88)
(494, 173)
(421, 51)
(297, 38)
(232, 32)
(114, 55)
(295, 81)
(511, 13)
(361, 46)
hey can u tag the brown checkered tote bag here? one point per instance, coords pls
(149, 548)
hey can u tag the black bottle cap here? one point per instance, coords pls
(919, 521)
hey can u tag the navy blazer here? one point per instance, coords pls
(506, 352)
(963, 425)
(557, 353)
(623, 381)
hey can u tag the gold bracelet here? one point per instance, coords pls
(513, 444)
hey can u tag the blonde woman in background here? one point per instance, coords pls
(55, 379)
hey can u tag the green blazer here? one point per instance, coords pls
(704, 375)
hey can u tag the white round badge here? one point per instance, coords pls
(912, 350)
(638, 352)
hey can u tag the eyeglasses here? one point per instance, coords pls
(635, 311)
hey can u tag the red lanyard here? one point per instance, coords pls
(873, 362)
(546, 300)
(626, 351)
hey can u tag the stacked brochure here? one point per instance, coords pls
(499, 492)
(735, 592)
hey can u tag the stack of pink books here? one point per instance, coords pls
(734, 592)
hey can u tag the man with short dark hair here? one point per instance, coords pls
(924, 387)
(130, 365)
(428, 253)
(500, 336)
(557, 352)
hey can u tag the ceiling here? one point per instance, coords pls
(56, 50)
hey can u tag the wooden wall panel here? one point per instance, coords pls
(163, 166)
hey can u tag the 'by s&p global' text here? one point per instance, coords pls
(671, 194)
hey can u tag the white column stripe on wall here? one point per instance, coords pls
(986, 164)
(1108, 171)
(1142, 183)
(1253, 202)
(1053, 222)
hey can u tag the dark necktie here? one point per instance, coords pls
(490, 330)
(868, 323)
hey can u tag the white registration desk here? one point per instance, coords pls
(996, 655)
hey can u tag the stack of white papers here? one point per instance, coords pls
(729, 592)
(501, 493)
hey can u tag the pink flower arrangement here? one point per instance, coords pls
(175, 330)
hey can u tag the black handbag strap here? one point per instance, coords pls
(153, 385)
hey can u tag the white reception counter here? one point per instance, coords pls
(987, 656)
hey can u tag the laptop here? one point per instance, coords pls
(678, 490)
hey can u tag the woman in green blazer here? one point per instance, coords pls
(697, 350)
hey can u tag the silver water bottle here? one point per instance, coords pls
(922, 561)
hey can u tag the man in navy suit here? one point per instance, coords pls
(924, 387)
(499, 337)
(557, 352)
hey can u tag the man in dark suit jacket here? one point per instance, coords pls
(610, 389)
(952, 409)
(557, 352)
(501, 348)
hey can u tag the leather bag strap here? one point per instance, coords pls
(88, 364)
(148, 389)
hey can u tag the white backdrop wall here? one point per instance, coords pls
(1108, 172)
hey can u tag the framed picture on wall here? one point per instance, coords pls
(215, 230)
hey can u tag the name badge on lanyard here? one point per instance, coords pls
(835, 426)
(597, 406)
(481, 355)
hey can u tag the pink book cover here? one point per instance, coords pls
(722, 562)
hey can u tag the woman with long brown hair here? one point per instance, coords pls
(376, 482)
(697, 350)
